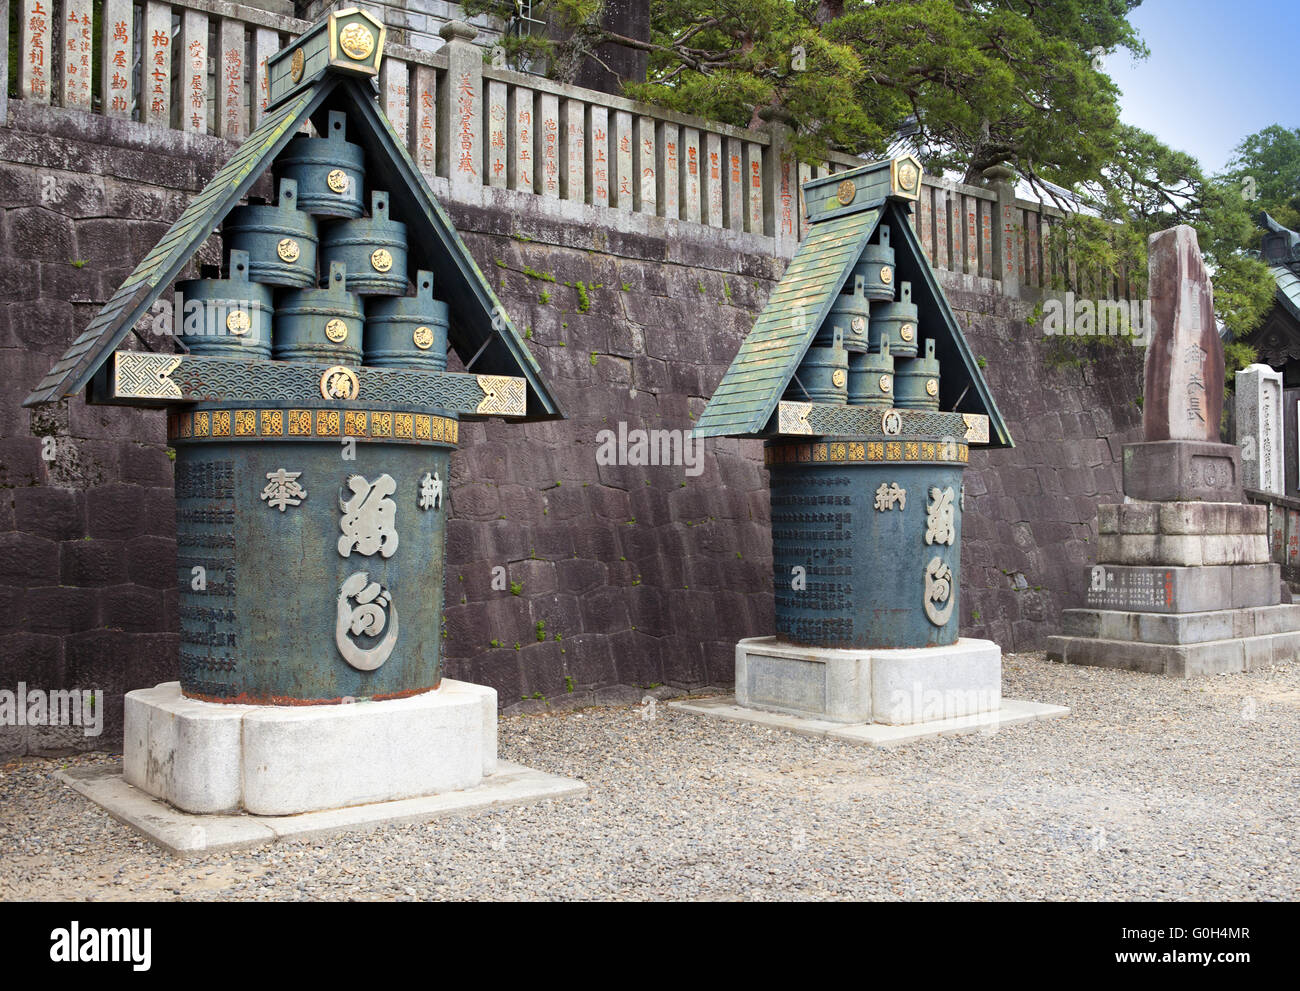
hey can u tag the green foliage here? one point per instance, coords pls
(1236, 356)
(568, 683)
(1147, 187)
(1265, 168)
(595, 357)
(516, 588)
(544, 298)
(532, 273)
(541, 630)
(990, 82)
(584, 299)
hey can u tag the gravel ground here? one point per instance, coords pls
(1150, 789)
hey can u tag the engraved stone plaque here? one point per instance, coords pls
(787, 682)
(1131, 588)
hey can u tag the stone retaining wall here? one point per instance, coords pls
(642, 576)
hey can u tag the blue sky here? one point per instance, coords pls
(1217, 72)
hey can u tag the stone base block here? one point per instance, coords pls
(1179, 660)
(1221, 624)
(890, 687)
(1175, 589)
(1183, 550)
(1182, 471)
(1181, 518)
(205, 757)
(1009, 713)
(184, 835)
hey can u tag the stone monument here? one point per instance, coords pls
(861, 382)
(1183, 583)
(1259, 428)
(313, 420)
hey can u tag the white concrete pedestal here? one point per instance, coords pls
(882, 698)
(893, 687)
(207, 757)
(198, 777)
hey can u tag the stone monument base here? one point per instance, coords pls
(894, 687)
(1181, 589)
(1181, 645)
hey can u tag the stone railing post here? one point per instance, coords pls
(780, 182)
(460, 139)
(1006, 259)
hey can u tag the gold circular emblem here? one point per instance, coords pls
(859, 324)
(337, 180)
(886, 274)
(423, 338)
(336, 330)
(356, 41)
(846, 192)
(296, 64)
(381, 260)
(907, 176)
(238, 322)
(839, 377)
(288, 250)
(886, 383)
(339, 383)
(906, 332)
(932, 387)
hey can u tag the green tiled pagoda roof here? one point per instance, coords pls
(479, 324)
(761, 370)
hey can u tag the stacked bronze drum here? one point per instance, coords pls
(311, 277)
(866, 352)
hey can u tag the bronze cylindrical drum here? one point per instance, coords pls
(871, 378)
(897, 321)
(916, 381)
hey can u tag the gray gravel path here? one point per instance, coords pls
(1150, 789)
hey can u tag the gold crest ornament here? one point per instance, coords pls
(932, 387)
(886, 383)
(288, 250)
(296, 65)
(357, 41)
(337, 180)
(238, 322)
(839, 377)
(381, 260)
(423, 338)
(339, 382)
(846, 192)
(336, 330)
(859, 325)
(906, 332)
(886, 274)
(907, 175)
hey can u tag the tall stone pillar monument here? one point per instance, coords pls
(1183, 583)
